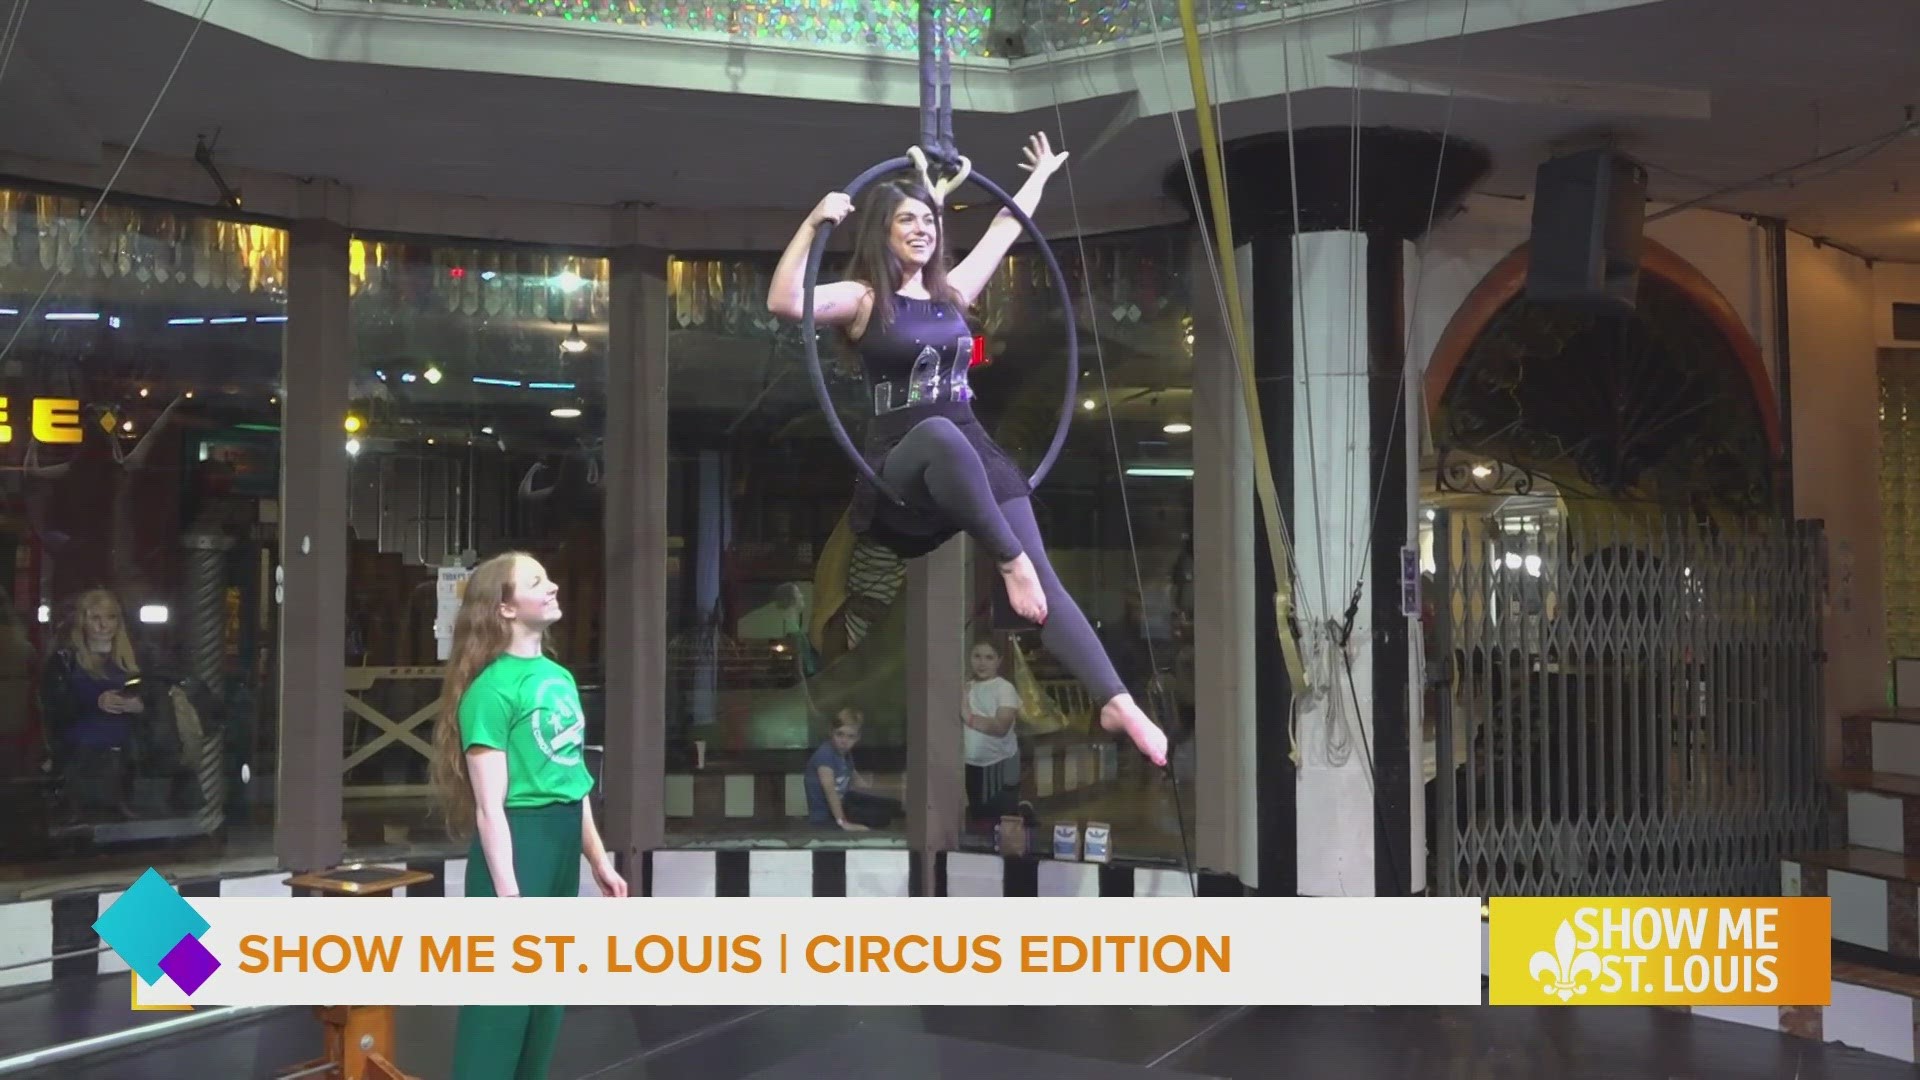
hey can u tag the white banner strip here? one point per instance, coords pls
(837, 951)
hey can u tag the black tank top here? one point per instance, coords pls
(921, 359)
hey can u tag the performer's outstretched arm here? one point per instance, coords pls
(970, 277)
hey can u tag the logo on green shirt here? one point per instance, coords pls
(559, 726)
(529, 707)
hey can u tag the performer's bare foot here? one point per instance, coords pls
(1029, 600)
(1121, 714)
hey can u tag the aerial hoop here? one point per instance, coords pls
(809, 336)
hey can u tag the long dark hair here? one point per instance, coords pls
(875, 264)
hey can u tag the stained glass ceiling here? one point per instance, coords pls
(885, 24)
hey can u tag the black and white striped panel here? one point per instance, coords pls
(678, 872)
(969, 874)
(778, 800)
(856, 872)
(32, 929)
(62, 925)
(771, 799)
(450, 879)
(26, 934)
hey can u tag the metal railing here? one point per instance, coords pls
(18, 964)
(118, 1040)
(1628, 709)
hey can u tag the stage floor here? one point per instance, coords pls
(786, 1043)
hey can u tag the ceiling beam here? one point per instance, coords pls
(276, 196)
(1585, 95)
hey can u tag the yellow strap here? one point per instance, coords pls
(830, 574)
(1239, 338)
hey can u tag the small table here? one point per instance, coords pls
(356, 879)
(356, 1036)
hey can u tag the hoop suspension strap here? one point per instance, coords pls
(944, 28)
(936, 86)
(1240, 344)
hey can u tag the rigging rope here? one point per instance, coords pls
(1413, 309)
(60, 271)
(10, 37)
(1239, 338)
(1345, 631)
(1156, 696)
(1296, 297)
(1330, 641)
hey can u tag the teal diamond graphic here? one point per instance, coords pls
(145, 924)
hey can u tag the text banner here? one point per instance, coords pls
(825, 951)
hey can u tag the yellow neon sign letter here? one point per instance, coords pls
(55, 420)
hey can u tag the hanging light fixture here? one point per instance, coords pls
(573, 342)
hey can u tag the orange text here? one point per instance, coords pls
(330, 953)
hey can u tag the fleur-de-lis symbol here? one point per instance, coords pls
(1559, 971)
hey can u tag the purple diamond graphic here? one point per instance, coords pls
(189, 965)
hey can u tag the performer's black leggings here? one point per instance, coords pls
(935, 462)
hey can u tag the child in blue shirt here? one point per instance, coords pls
(836, 792)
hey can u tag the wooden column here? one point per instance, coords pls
(636, 558)
(937, 599)
(317, 364)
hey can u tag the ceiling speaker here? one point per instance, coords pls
(1589, 210)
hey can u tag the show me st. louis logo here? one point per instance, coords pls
(1566, 970)
(155, 930)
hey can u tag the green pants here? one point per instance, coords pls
(515, 1042)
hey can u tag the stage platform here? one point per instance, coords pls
(790, 1043)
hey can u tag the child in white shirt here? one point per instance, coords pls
(992, 747)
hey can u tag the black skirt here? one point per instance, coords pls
(919, 527)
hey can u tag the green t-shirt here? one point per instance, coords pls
(530, 708)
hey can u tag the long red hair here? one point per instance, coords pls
(480, 635)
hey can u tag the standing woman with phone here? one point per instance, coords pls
(510, 764)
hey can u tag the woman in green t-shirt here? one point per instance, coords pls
(509, 760)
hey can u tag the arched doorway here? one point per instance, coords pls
(1624, 614)
(1671, 404)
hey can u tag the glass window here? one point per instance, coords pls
(779, 618)
(1116, 514)
(475, 427)
(138, 536)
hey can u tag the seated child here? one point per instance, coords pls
(837, 794)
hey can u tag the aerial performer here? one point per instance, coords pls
(905, 311)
